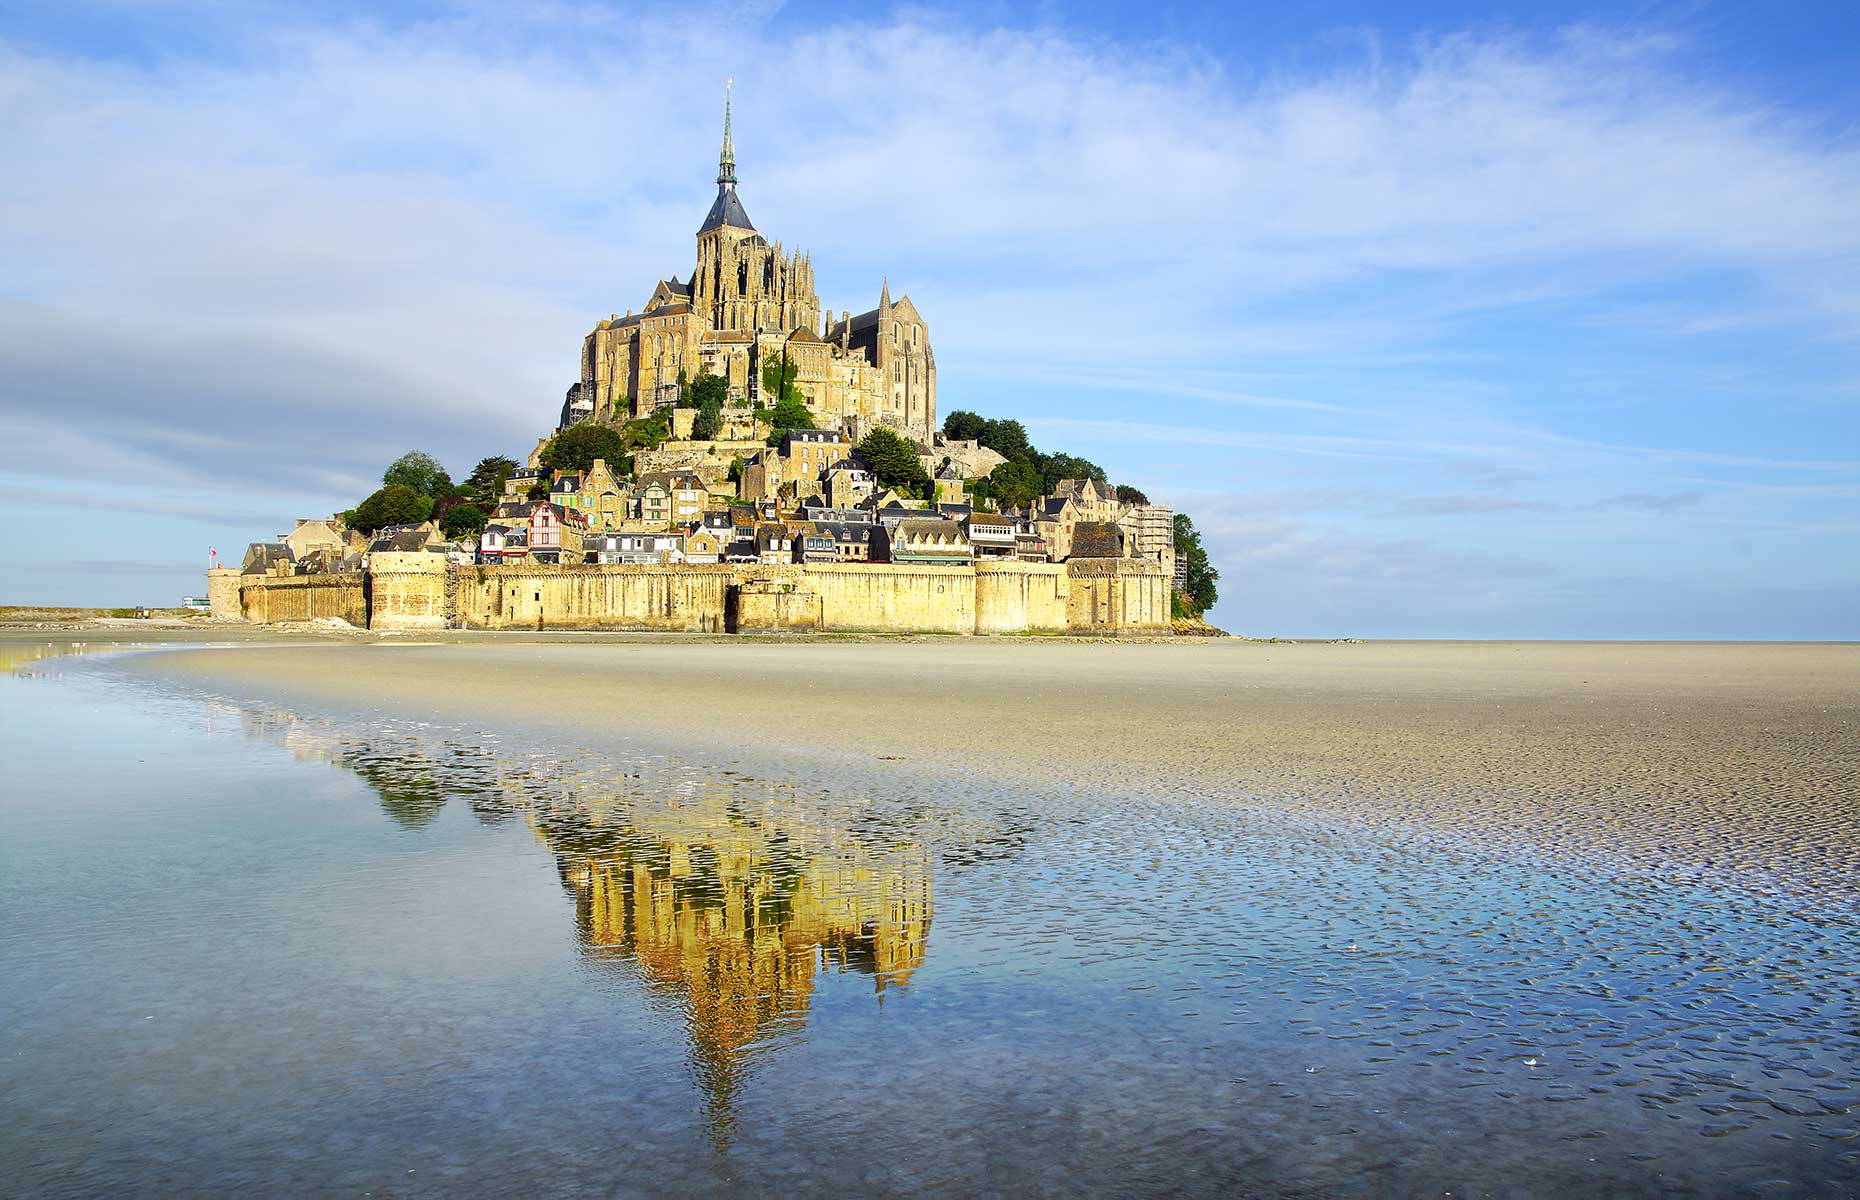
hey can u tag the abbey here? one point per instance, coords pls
(748, 304)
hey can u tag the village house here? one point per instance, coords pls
(992, 534)
(852, 540)
(603, 499)
(494, 545)
(812, 544)
(718, 522)
(638, 546)
(1052, 517)
(922, 542)
(1092, 500)
(520, 483)
(565, 490)
(419, 535)
(704, 545)
(774, 542)
(311, 534)
(764, 475)
(807, 453)
(847, 482)
(949, 484)
(668, 498)
(555, 534)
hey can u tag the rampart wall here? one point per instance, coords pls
(420, 591)
(681, 599)
(894, 599)
(1020, 597)
(268, 600)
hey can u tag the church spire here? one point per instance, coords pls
(727, 210)
(726, 160)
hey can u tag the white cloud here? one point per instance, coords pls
(347, 239)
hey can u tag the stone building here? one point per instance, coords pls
(747, 304)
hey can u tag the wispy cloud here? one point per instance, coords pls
(1649, 502)
(322, 242)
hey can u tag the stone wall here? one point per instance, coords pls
(709, 461)
(895, 599)
(681, 598)
(1116, 595)
(269, 599)
(407, 591)
(763, 606)
(1020, 597)
(419, 591)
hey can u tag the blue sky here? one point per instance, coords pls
(1441, 320)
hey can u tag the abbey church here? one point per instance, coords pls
(747, 304)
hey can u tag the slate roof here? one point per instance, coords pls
(260, 557)
(726, 210)
(404, 541)
(1097, 539)
(948, 530)
(846, 531)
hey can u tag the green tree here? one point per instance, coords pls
(1199, 590)
(790, 408)
(394, 504)
(418, 471)
(1007, 438)
(1015, 484)
(1129, 495)
(708, 388)
(486, 482)
(894, 463)
(1055, 467)
(963, 425)
(462, 521)
(791, 413)
(644, 433)
(576, 448)
(736, 470)
(708, 423)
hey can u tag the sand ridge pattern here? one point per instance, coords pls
(1699, 763)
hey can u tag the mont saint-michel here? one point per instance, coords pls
(747, 305)
(733, 457)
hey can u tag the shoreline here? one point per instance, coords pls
(1697, 762)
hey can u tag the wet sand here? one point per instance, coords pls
(1706, 762)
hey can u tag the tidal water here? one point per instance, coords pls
(251, 948)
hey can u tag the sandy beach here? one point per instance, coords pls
(1703, 761)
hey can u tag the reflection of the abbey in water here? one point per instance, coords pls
(726, 896)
